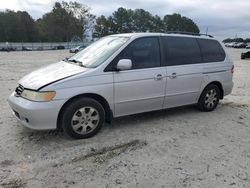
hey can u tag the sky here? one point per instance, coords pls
(222, 18)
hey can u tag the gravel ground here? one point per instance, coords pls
(179, 147)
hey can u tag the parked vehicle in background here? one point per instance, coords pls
(77, 49)
(240, 45)
(121, 75)
(8, 49)
(39, 48)
(248, 46)
(26, 49)
(231, 44)
(60, 47)
(245, 54)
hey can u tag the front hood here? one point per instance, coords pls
(49, 74)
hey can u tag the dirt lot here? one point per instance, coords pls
(173, 148)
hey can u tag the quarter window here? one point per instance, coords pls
(144, 53)
(211, 50)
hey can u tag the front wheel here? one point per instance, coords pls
(83, 118)
(209, 98)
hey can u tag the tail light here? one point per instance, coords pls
(232, 69)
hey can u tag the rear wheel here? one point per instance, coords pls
(209, 98)
(83, 118)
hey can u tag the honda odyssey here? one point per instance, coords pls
(120, 75)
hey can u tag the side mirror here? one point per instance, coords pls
(124, 64)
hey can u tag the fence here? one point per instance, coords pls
(40, 45)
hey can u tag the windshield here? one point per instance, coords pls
(98, 52)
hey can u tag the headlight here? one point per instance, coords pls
(42, 96)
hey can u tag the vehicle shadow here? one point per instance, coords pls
(122, 123)
(126, 121)
(147, 117)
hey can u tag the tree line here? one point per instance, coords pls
(228, 40)
(138, 20)
(72, 21)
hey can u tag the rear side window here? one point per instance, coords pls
(143, 52)
(211, 50)
(181, 51)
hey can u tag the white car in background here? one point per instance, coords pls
(77, 49)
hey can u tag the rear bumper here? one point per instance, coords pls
(36, 115)
(228, 88)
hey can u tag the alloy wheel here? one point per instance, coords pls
(85, 120)
(211, 98)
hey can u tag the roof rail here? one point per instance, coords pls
(189, 33)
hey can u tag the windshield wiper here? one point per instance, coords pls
(76, 61)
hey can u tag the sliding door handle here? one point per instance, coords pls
(173, 75)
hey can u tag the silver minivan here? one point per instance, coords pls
(123, 74)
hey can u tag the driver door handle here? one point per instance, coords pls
(158, 77)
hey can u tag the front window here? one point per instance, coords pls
(98, 52)
(143, 52)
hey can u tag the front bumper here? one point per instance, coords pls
(36, 115)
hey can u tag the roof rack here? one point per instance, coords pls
(189, 33)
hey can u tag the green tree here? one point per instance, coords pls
(103, 26)
(138, 20)
(28, 26)
(227, 40)
(59, 25)
(247, 40)
(176, 22)
(82, 14)
(238, 40)
(17, 27)
(158, 25)
(9, 26)
(122, 21)
(142, 21)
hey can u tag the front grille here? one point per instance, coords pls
(19, 90)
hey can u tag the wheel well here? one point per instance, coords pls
(100, 99)
(219, 85)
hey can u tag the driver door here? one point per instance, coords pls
(142, 88)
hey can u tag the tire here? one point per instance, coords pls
(242, 57)
(209, 98)
(82, 118)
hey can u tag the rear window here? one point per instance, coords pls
(211, 50)
(181, 51)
